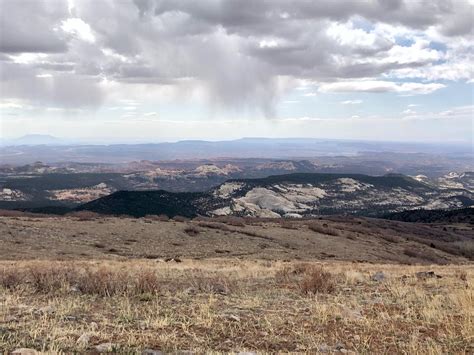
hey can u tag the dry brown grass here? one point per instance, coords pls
(111, 238)
(323, 228)
(17, 214)
(41, 278)
(288, 224)
(84, 215)
(191, 231)
(214, 225)
(180, 219)
(153, 217)
(308, 278)
(317, 280)
(232, 221)
(228, 305)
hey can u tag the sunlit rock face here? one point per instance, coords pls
(336, 195)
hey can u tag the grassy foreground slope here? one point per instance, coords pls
(340, 238)
(89, 284)
(231, 305)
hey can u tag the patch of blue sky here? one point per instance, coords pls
(384, 104)
(404, 41)
(362, 23)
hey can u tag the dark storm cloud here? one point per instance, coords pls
(62, 89)
(28, 26)
(235, 15)
(242, 53)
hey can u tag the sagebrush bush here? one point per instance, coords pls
(323, 229)
(103, 281)
(391, 238)
(10, 279)
(16, 214)
(180, 219)
(309, 279)
(154, 217)
(317, 280)
(232, 221)
(214, 225)
(286, 224)
(191, 231)
(84, 215)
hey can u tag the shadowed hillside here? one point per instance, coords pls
(292, 195)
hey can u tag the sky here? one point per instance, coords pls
(158, 70)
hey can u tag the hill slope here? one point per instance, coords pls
(292, 195)
(462, 215)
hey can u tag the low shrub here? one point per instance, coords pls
(307, 278)
(105, 282)
(154, 217)
(180, 219)
(84, 215)
(232, 221)
(191, 231)
(213, 225)
(286, 224)
(391, 238)
(323, 229)
(317, 280)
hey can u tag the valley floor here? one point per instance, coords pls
(338, 285)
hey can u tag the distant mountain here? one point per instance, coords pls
(35, 139)
(292, 195)
(278, 148)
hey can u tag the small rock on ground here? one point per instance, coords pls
(24, 351)
(427, 275)
(83, 340)
(106, 347)
(152, 352)
(45, 310)
(378, 276)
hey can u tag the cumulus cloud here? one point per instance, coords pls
(233, 55)
(78, 27)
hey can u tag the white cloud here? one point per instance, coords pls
(10, 105)
(220, 54)
(44, 75)
(78, 27)
(28, 58)
(418, 53)
(459, 112)
(351, 102)
(379, 86)
(268, 43)
(345, 34)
